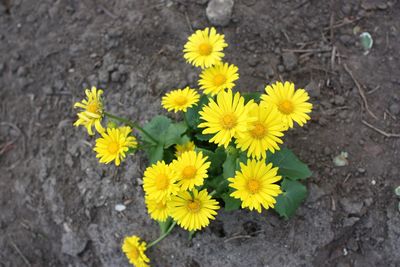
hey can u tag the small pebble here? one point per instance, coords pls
(120, 207)
(219, 12)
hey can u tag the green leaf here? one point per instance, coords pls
(173, 135)
(165, 225)
(155, 127)
(192, 114)
(203, 137)
(155, 153)
(288, 202)
(229, 166)
(252, 95)
(216, 158)
(289, 165)
(231, 203)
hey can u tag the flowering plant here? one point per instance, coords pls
(225, 152)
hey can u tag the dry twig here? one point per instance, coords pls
(20, 253)
(382, 132)
(360, 91)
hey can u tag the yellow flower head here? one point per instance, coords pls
(255, 186)
(157, 209)
(217, 78)
(226, 118)
(134, 250)
(262, 134)
(180, 99)
(291, 103)
(204, 48)
(193, 210)
(159, 181)
(92, 113)
(113, 144)
(179, 149)
(191, 169)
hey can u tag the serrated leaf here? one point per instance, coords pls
(173, 134)
(293, 194)
(231, 203)
(155, 153)
(289, 164)
(159, 124)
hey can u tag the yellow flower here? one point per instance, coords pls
(191, 169)
(262, 134)
(93, 111)
(193, 210)
(113, 144)
(180, 99)
(204, 48)
(134, 250)
(226, 118)
(217, 78)
(179, 149)
(159, 181)
(291, 103)
(157, 209)
(254, 185)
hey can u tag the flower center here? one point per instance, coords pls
(180, 100)
(258, 131)
(219, 79)
(228, 121)
(194, 206)
(162, 181)
(113, 147)
(161, 205)
(92, 107)
(285, 106)
(189, 172)
(134, 253)
(253, 186)
(205, 49)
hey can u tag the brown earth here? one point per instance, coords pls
(57, 202)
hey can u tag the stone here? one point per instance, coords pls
(315, 193)
(347, 222)
(289, 61)
(395, 108)
(269, 71)
(72, 244)
(352, 207)
(339, 100)
(219, 12)
(104, 76)
(116, 76)
(253, 61)
(313, 89)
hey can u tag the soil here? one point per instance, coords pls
(58, 204)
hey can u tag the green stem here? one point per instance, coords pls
(131, 124)
(213, 193)
(162, 236)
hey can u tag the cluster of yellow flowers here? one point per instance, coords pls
(176, 191)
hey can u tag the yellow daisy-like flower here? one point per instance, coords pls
(291, 103)
(193, 210)
(217, 78)
(180, 99)
(262, 134)
(113, 144)
(159, 181)
(226, 118)
(191, 169)
(93, 111)
(157, 209)
(254, 185)
(179, 149)
(134, 250)
(204, 48)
